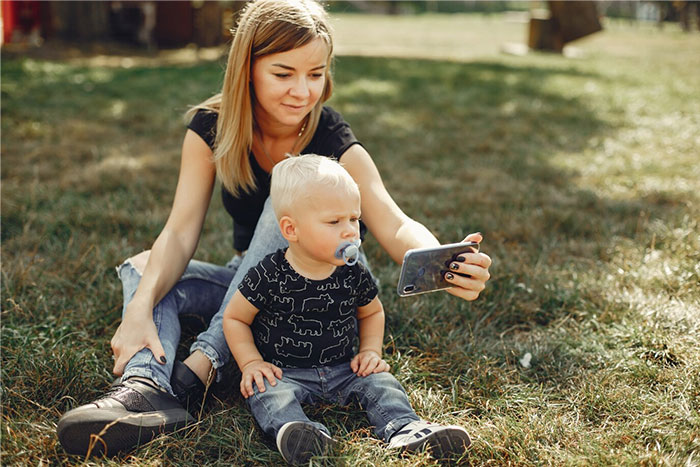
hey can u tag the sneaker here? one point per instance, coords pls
(300, 441)
(132, 413)
(444, 441)
(188, 388)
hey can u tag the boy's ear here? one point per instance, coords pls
(288, 229)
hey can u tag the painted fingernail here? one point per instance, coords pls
(449, 276)
(454, 266)
(162, 359)
(461, 259)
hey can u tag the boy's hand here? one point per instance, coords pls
(257, 371)
(368, 362)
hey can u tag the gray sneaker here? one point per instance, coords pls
(300, 441)
(444, 441)
(132, 413)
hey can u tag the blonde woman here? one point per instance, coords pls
(271, 105)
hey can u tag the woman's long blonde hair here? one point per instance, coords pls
(265, 27)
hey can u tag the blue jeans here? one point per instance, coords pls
(379, 394)
(204, 290)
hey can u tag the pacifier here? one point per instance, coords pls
(349, 252)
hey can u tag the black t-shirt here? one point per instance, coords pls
(305, 323)
(332, 138)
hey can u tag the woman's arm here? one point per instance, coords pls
(397, 233)
(170, 253)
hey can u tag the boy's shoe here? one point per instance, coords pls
(188, 388)
(132, 413)
(300, 441)
(444, 441)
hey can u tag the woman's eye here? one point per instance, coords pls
(282, 75)
(317, 75)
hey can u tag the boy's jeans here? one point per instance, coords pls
(204, 290)
(379, 394)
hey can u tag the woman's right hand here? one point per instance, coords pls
(137, 331)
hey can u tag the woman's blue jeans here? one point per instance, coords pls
(379, 394)
(204, 290)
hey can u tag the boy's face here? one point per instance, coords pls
(329, 219)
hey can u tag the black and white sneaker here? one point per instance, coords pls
(132, 413)
(444, 441)
(300, 441)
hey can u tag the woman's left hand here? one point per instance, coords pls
(475, 265)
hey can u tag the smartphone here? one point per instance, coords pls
(423, 269)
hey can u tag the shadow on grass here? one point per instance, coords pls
(461, 146)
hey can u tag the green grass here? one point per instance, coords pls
(583, 174)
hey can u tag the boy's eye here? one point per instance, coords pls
(354, 219)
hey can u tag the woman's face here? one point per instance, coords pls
(289, 84)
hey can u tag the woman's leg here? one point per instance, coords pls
(199, 292)
(142, 405)
(267, 239)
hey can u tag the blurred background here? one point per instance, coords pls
(166, 24)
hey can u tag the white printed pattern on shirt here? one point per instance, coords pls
(302, 326)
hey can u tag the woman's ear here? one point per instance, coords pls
(288, 229)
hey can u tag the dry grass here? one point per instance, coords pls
(582, 173)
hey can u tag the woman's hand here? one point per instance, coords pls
(368, 362)
(137, 331)
(475, 265)
(257, 371)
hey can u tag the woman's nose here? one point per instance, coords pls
(300, 88)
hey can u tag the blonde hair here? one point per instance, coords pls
(265, 27)
(293, 179)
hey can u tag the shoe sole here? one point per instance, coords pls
(443, 443)
(300, 442)
(109, 432)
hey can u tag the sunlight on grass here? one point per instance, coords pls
(582, 174)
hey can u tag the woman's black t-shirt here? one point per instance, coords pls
(332, 138)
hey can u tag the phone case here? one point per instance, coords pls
(424, 269)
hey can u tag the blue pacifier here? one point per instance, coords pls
(349, 252)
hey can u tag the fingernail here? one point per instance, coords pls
(162, 359)
(455, 266)
(449, 276)
(461, 259)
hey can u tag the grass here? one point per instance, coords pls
(582, 174)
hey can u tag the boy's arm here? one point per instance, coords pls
(370, 320)
(238, 316)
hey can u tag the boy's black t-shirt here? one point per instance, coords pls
(304, 323)
(332, 138)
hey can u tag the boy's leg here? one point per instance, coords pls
(142, 405)
(389, 410)
(279, 414)
(380, 394)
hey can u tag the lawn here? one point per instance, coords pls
(582, 173)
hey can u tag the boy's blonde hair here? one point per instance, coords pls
(293, 180)
(265, 27)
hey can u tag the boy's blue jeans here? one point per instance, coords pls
(379, 394)
(204, 290)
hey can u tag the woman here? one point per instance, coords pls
(271, 104)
